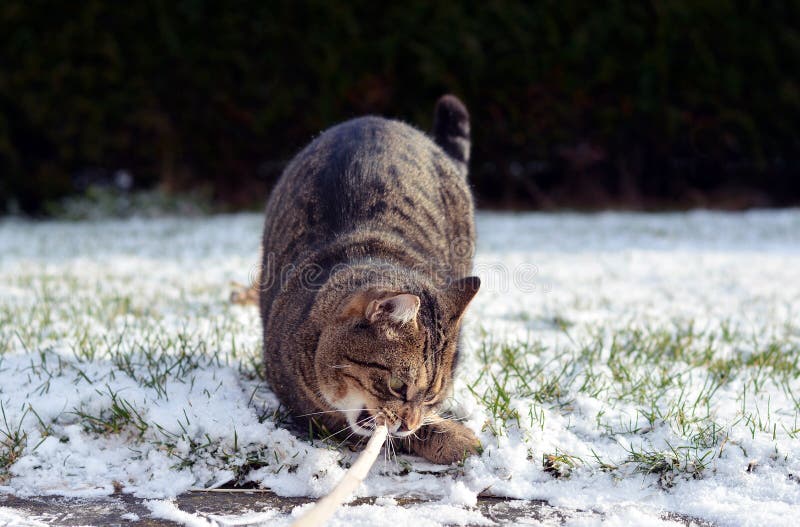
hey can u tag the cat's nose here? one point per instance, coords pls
(410, 422)
(408, 425)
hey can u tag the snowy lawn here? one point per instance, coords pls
(627, 364)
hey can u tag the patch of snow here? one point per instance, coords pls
(12, 518)
(139, 288)
(167, 510)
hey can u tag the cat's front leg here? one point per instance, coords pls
(443, 442)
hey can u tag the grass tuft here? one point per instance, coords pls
(13, 440)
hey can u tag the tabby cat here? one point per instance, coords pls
(368, 242)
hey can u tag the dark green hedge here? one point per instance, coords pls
(572, 102)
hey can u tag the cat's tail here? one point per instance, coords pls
(451, 130)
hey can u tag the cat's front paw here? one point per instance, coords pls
(444, 442)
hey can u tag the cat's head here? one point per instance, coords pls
(387, 356)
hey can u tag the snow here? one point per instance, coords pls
(132, 316)
(167, 510)
(12, 518)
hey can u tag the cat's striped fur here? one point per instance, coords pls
(368, 243)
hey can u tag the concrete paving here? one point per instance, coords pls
(109, 511)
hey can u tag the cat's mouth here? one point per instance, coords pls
(364, 422)
(361, 422)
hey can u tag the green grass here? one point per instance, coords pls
(115, 418)
(94, 350)
(668, 377)
(651, 382)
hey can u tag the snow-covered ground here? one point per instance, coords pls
(629, 364)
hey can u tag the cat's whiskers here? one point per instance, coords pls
(341, 430)
(366, 420)
(387, 449)
(432, 418)
(361, 440)
(394, 451)
(439, 431)
(343, 441)
(334, 411)
(360, 423)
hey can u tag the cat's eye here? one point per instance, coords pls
(398, 387)
(396, 384)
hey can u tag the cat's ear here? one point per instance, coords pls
(402, 308)
(460, 293)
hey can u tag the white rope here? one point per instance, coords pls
(325, 507)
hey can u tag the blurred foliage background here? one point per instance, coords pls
(640, 104)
